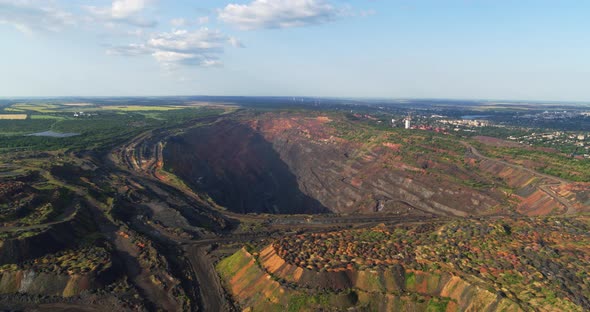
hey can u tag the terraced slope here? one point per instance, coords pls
(493, 265)
(347, 177)
(255, 284)
(299, 164)
(255, 289)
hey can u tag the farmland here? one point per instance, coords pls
(13, 116)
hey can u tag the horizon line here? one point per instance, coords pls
(509, 101)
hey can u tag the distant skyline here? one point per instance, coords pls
(458, 49)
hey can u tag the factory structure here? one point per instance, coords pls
(408, 123)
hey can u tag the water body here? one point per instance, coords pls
(54, 134)
(472, 117)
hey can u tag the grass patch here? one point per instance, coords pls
(437, 305)
(228, 266)
(297, 303)
(410, 279)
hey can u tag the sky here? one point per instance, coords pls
(464, 49)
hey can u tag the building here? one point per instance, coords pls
(408, 123)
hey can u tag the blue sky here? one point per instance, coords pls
(476, 49)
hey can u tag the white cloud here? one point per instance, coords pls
(29, 16)
(185, 41)
(201, 47)
(279, 13)
(123, 11)
(126, 8)
(170, 59)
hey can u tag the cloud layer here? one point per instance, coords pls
(201, 47)
(279, 13)
(31, 16)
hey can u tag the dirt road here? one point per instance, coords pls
(212, 294)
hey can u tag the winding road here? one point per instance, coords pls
(545, 187)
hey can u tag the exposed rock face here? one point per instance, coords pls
(349, 176)
(239, 169)
(286, 164)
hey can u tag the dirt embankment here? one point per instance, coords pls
(31, 243)
(265, 281)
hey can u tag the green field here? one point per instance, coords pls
(47, 117)
(99, 131)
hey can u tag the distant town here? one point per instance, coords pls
(522, 129)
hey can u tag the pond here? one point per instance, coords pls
(53, 134)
